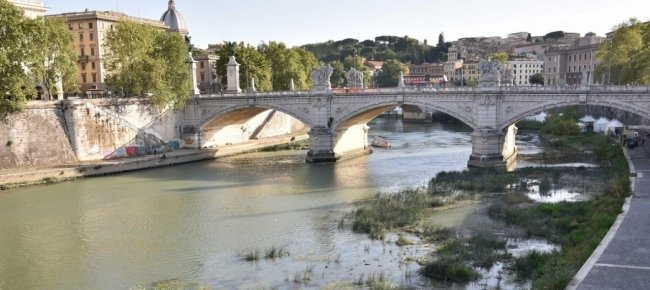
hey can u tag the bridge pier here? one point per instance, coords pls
(487, 148)
(320, 145)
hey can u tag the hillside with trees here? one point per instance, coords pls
(382, 48)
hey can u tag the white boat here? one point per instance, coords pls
(380, 142)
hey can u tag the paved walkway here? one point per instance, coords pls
(625, 260)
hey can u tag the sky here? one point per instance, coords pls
(298, 22)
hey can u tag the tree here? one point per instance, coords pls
(338, 75)
(536, 79)
(389, 74)
(625, 55)
(33, 51)
(529, 38)
(59, 57)
(253, 65)
(287, 64)
(554, 35)
(441, 40)
(501, 57)
(142, 59)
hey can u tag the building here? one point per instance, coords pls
(453, 54)
(90, 28)
(573, 65)
(206, 74)
(32, 8)
(374, 66)
(523, 69)
(451, 69)
(469, 71)
(174, 20)
(425, 74)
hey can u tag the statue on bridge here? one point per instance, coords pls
(320, 78)
(490, 73)
(354, 78)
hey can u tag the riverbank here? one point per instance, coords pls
(46, 175)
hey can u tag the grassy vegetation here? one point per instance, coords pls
(529, 125)
(457, 260)
(270, 253)
(298, 145)
(578, 227)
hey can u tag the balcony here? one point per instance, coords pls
(83, 58)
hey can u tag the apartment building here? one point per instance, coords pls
(90, 28)
(573, 65)
(523, 69)
(32, 8)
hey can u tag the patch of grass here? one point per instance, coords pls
(275, 252)
(270, 253)
(304, 276)
(437, 234)
(527, 265)
(253, 255)
(387, 212)
(402, 241)
(457, 259)
(299, 145)
(50, 180)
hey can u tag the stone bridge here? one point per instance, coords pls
(337, 118)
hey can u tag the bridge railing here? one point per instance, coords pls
(415, 90)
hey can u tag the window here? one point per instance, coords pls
(83, 77)
(94, 77)
(81, 26)
(92, 64)
(202, 64)
(69, 26)
(81, 36)
(90, 25)
(92, 51)
(202, 77)
(83, 51)
(91, 36)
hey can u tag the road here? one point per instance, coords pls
(625, 261)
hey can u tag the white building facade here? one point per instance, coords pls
(522, 70)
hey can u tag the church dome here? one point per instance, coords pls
(173, 19)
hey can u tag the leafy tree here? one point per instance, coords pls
(441, 40)
(59, 57)
(287, 64)
(554, 35)
(389, 74)
(338, 75)
(368, 43)
(253, 65)
(625, 55)
(500, 57)
(32, 51)
(142, 59)
(529, 38)
(536, 79)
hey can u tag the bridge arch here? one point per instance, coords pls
(368, 112)
(538, 107)
(209, 117)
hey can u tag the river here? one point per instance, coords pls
(192, 223)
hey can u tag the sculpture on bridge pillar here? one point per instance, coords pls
(400, 82)
(252, 88)
(489, 74)
(507, 77)
(232, 70)
(320, 78)
(354, 78)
